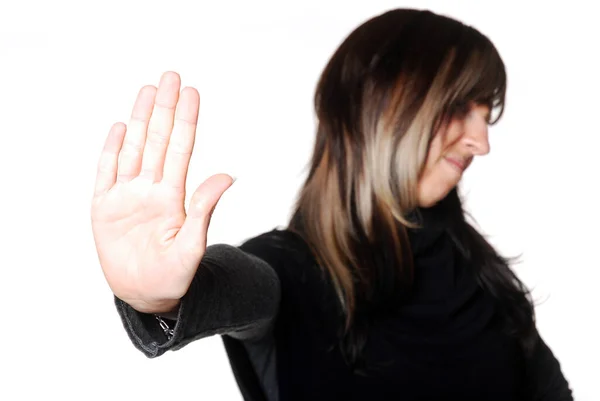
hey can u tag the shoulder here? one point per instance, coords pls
(309, 303)
(278, 246)
(288, 254)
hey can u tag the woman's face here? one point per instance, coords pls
(451, 152)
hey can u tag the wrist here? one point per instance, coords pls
(169, 311)
(165, 308)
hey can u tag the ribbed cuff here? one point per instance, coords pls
(145, 332)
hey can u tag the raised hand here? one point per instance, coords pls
(148, 246)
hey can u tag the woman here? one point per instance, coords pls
(378, 289)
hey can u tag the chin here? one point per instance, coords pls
(428, 202)
(431, 200)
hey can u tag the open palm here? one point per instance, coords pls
(148, 246)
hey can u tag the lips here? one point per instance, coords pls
(458, 163)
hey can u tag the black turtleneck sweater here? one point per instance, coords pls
(279, 318)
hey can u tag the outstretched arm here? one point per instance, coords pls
(233, 293)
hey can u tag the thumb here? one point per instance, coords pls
(192, 235)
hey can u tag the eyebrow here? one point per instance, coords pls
(488, 115)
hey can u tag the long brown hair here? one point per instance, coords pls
(383, 94)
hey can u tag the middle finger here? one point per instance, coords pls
(160, 126)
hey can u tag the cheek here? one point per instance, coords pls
(437, 178)
(435, 152)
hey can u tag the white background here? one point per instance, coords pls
(69, 70)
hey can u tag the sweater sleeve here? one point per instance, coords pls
(545, 378)
(233, 293)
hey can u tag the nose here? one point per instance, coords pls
(476, 137)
